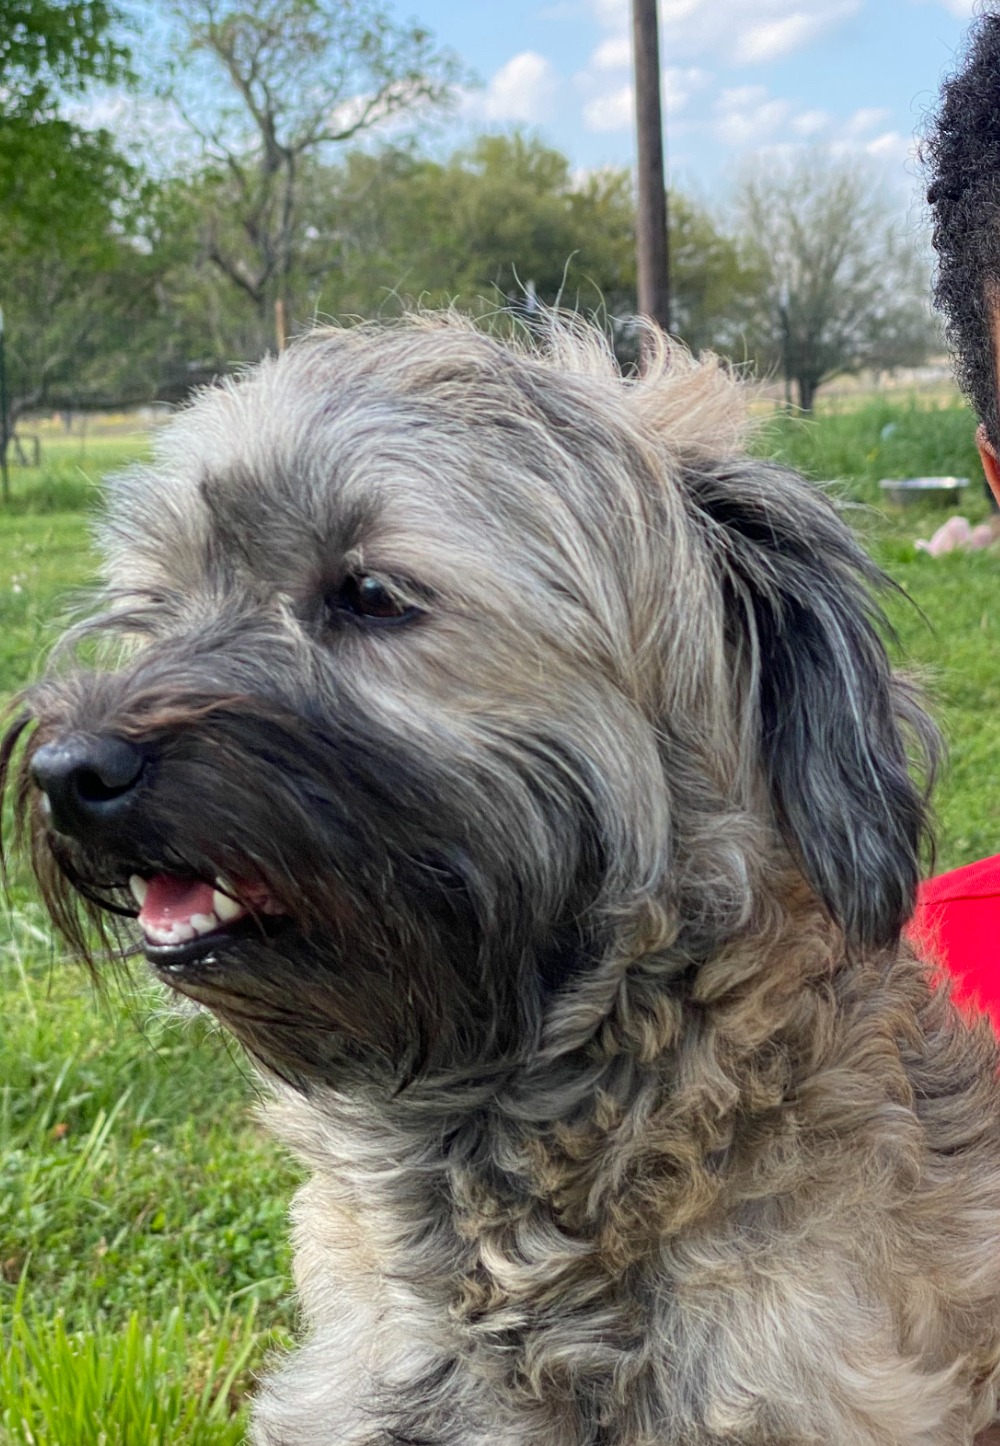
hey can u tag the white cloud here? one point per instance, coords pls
(610, 112)
(746, 116)
(742, 33)
(890, 146)
(614, 54)
(747, 32)
(772, 39)
(811, 122)
(865, 119)
(522, 90)
(613, 109)
(889, 149)
(674, 11)
(611, 14)
(964, 9)
(679, 84)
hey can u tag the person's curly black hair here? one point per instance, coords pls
(962, 156)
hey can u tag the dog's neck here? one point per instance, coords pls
(470, 1223)
(663, 1085)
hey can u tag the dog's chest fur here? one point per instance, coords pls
(732, 1259)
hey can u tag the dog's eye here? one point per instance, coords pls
(366, 597)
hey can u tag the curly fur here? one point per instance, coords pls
(630, 1120)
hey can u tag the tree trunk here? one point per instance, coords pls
(808, 387)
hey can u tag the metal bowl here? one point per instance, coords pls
(904, 491)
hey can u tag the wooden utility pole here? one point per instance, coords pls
(651, 218)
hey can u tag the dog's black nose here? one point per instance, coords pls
(88, 781)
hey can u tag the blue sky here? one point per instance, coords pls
(739, 75)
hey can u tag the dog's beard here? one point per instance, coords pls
(374, 924)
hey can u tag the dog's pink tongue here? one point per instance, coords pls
(170, 900)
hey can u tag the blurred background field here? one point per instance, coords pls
(142, 1208)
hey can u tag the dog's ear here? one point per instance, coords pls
(835, 725)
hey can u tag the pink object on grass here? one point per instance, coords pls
(950, 536)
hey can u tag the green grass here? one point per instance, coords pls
(72, 467)
(956, 654)
(114, 1117)
(134, 1384)
(138, 1197)
(44, 563)
(879, 438)
(143, 1250)
(143, 1255)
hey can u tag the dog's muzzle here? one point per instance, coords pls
(95, 788)
(89, 782)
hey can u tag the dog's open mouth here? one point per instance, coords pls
(184, 920)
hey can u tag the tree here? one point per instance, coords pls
(389, 226)
(495, 222)
(711, 285)
(840, 286)
(48, 47)
(77, 277)
(496, 218)
(59, 183)
(302, 76)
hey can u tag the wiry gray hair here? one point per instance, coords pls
(586, 855)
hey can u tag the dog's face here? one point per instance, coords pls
(450, 679)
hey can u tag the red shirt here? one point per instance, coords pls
(957, 922)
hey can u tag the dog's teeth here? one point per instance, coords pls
(175, 933)
(226, 909)
(203, 923)
(139, 888)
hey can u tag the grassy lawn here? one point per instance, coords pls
(143, 1263)
(143, 1259)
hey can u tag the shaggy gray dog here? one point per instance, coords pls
(513, 764)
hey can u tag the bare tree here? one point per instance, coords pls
(302, 76)
(842, 286)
